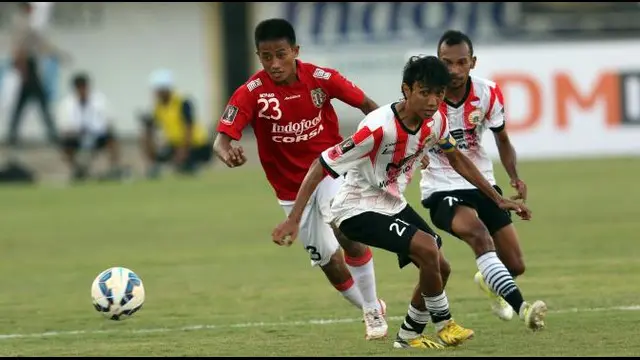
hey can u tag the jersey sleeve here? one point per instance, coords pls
(446, 142)
(237, 114)
(495, 115)
(340, 88)
(339, 159)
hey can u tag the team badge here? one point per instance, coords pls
(318, 96)
(430, 140)
(475, 117)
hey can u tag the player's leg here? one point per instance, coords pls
(109, 143)
(397, 236)
(359, 260)
(457, 215)
(503, 232)
(324, 251)
(417, 317)
(448, 331)
(70, 144)
(358, 257)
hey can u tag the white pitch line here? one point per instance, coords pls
(274, 324)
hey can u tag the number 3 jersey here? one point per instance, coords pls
(379, 160)
(482, 107)
(293, 123)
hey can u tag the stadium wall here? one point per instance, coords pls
(120, 44)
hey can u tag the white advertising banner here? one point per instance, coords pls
(119, 45)
(567, 99)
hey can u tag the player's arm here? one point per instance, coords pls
(347, 92)
(335, 161)
(468, 170)
(237, 115)
(503, 143)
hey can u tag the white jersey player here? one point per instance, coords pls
(370, 207)
(472, 106)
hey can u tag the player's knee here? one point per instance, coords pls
(336, 269)
(423, 250)
(352, 249)
(478, 237)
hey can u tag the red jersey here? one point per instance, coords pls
(293, 124)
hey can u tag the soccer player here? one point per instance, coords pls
(189, 148)
(472, 105)
(288, 105)
(370, 207)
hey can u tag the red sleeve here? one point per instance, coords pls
(340, 87)
(238, 113)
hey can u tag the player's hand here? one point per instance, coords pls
(424, 162)
(519, 208)
(285, 233)
(521, 188)
(234, 157)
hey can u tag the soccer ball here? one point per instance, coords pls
(117, 293)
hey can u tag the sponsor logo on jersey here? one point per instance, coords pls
(321, 74)
(254, 84)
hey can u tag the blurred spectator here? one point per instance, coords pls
(188, 146)
(86, 127)
(29, 47)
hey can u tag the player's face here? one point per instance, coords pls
(82, 91)
(459, 61)
(163, 95)
(424, 100)
(278, 58)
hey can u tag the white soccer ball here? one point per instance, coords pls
(117, 293)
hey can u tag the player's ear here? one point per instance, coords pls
(473, 62)
(405, 90)
(296, 50)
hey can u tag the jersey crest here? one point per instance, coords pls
(318, 97)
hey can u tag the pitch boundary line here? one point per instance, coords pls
(272, 324)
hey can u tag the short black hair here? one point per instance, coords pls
(455, 37)
(275, 29)
(426, 70)
(80, 79)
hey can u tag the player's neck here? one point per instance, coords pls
(456, 95)
(410, 120)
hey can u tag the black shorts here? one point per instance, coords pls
(73, 142)
(392, 233)
(442, 207)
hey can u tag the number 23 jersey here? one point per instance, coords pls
(293, 123)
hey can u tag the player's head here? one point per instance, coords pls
(80, 83)
(455, 49)
(424, 81)
(162, 84)
(277, 49)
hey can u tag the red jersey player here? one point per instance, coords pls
(288, 105)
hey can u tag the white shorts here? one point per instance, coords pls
(315, 232)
